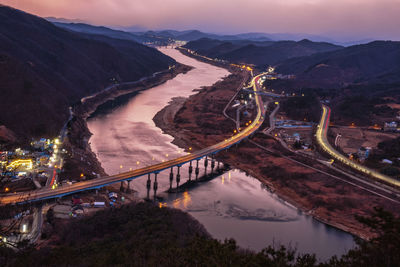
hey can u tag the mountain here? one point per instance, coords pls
(192, 35)
(64, 20)
(44, 69)
(258, 53)
(101, 30)
(375, 62)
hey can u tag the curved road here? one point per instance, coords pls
(323, 141)
(47, 193)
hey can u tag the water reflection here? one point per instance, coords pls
(231, 205)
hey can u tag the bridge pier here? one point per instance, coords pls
(171, 178)
(178, 178)
(128, 189)
(155, 185)
(121, 188)
(197, 169)
(217, 166)
(148, 185)
(212, 164)
(205, 165)
(190, 170)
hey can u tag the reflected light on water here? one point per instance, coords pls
(182, 202)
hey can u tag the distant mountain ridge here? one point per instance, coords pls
(44, 69)
(258, 53)
(118, 34)
(86, 28)
(375, 62)
(192, 35)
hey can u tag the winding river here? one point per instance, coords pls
(232, 205)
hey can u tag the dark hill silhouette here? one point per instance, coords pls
(101, 30)
(258, 53)
(375, 62)
(44, 69)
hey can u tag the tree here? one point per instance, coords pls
(382, 250)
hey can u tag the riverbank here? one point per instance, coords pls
(199, 122)
(79, 160)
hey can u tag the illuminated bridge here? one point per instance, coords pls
(48, 193)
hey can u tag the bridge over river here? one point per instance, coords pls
(48, 193)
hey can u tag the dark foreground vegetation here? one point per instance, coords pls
(146, 235)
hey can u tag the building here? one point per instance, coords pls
(390, 126)
(386, 161)
(363, 153)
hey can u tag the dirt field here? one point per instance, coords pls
(353, 138)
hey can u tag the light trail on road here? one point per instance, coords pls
(47, 193)
(322, 139)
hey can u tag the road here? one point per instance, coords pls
(47, 193)
(272, 120)
(322, 140)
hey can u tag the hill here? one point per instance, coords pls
(375, 62)
(101, 30)
(258, 53)
(44, 69)
(146, 235)
(192, 35)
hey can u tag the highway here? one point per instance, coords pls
(322, 140)
(48, 193)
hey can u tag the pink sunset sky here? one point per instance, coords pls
(340, 19)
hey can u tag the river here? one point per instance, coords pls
(232, 205)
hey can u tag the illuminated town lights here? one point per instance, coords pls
(6, 189)
(190, 148)
(137, 162)
(20, 162)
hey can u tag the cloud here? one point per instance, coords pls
(358, 18)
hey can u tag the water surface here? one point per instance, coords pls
(232, 205)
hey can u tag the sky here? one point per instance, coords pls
(339, 19)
